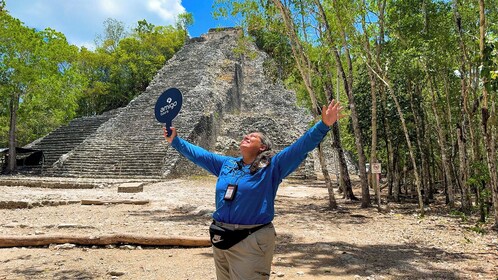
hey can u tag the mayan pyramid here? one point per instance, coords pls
(226, 94)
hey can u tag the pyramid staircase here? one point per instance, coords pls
(67, 137)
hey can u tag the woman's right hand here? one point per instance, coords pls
(173, 134)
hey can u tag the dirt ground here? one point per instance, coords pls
(312, 243)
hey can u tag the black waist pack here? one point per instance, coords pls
(223, 238)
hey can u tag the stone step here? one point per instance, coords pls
(110, 166)
(110, 171)
(107, 175)
(110, 158)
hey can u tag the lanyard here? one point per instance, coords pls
(231, 189)
(237, 171)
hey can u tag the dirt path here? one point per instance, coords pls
(312, 242)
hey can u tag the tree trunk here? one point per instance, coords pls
(465, 197)
(462, 128)
(426, 147)
(302, 61)
(326, 175)
(417, 134)
(373, 94)
(408, 141)
(348, 85)
(442, 147)
(489, 142)
(337, 145)
(391, 163)
(348, 190)
(12, 164)
(449, 127)
(305, 69)
(491, 160)
(396, 179)
(379, 47)
(362, 160)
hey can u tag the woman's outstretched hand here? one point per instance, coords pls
(173, 134)
(331, 113)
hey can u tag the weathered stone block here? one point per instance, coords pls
(131, 188)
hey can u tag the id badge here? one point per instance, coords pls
(230, 192)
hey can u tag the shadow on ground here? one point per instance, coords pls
(38, 273)
(344, 259)
(179, 214)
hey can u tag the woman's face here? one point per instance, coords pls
(251, 143)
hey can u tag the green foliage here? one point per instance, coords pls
(55, 81)
(459, 214)
(479, 173)
(184, 21)
(39, 77)
(243, 48)
(114, 31)
(478, 228)
(119, 73)
(489, 69)
(277, 45)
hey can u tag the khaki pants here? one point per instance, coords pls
(250, 259)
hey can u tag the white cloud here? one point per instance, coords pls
(87, 44)
(82, 21)
(110, 7)
(168, 10)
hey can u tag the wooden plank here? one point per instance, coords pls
(104, 202)
(109, 239)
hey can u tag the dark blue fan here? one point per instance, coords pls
(168, 106)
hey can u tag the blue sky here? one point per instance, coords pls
(82, 20)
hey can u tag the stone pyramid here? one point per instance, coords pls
(226, 94)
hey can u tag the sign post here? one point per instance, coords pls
(376, 168)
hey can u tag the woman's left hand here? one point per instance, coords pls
(332, 113)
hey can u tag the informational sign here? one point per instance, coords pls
(376, 168)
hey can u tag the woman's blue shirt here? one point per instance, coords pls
(255, 197)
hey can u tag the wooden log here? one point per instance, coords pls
(102, 240)
(103, 202)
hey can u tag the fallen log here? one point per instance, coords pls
(107, 239)
(104, 202)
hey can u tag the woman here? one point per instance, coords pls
(242, 232)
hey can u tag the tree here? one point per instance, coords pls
(373, 94)
(39, 79)
(183, 22)
(327, 38)
(122, 66)
(306, 70)
(489, 142)
(114, 32)
(347, 77)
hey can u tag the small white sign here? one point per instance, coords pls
(376, 168)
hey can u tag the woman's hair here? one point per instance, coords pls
(264, 158)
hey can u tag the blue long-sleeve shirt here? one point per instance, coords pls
(255, 198)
